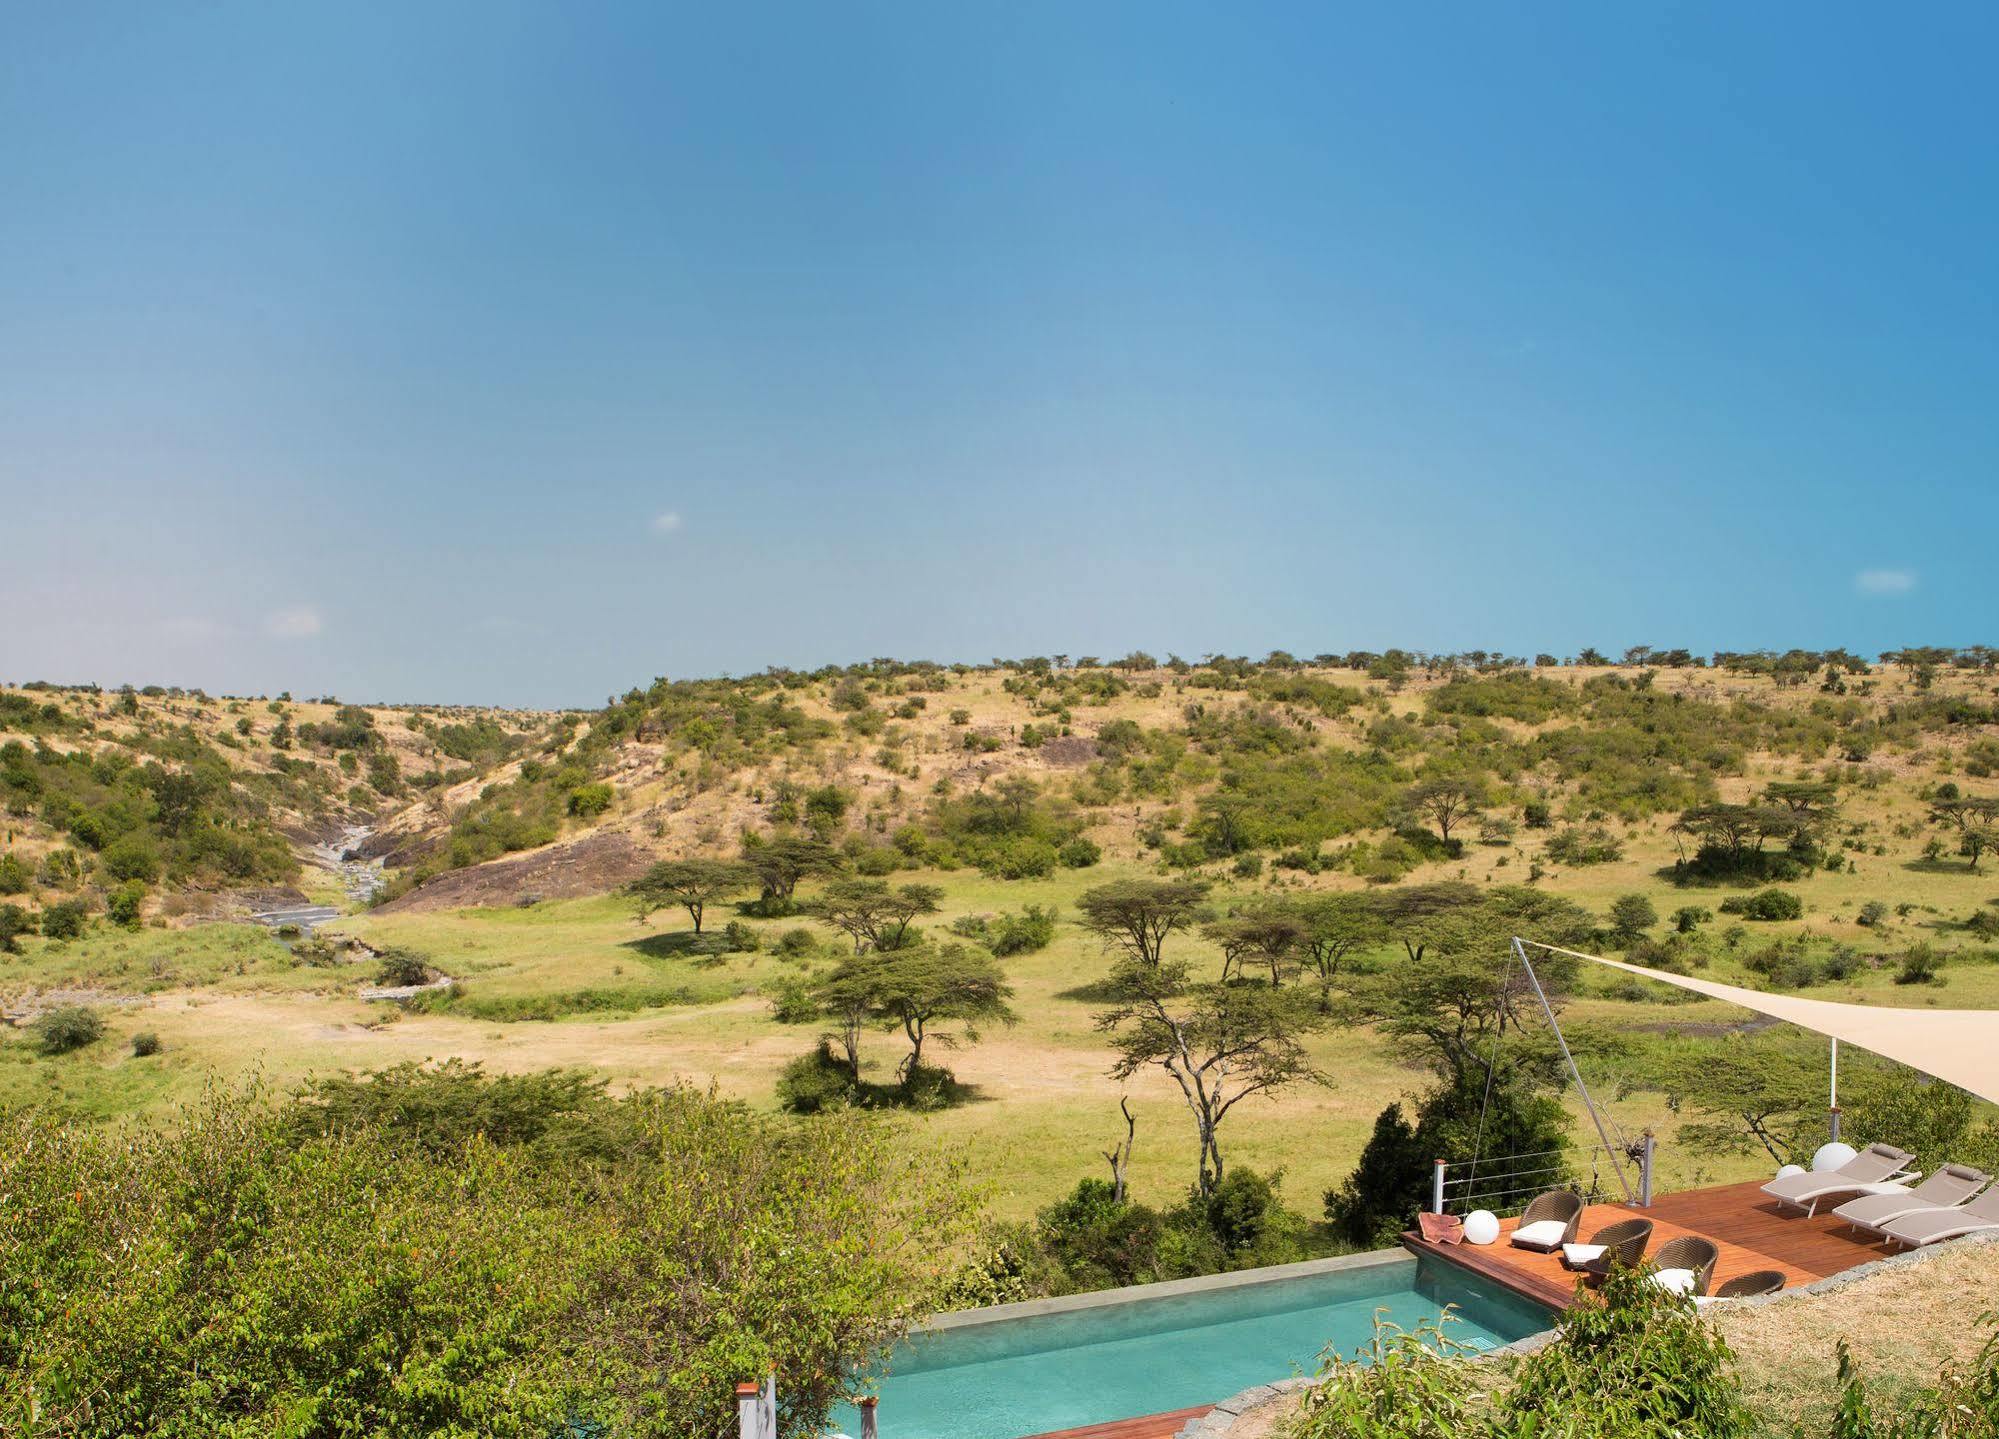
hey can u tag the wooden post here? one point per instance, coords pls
(1645, 1170)
(868, 1417)
(749, 1416)
(1437, 1188)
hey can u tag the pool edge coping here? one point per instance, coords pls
(1165, 1289)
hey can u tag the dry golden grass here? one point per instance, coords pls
(1903, 1326)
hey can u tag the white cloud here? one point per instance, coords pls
(1885, 582)
(295, 622)
(665, 522)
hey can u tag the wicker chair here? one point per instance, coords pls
(1746, 1286)
(1692, 1252)
(1623, 1243)
(1557, 1206)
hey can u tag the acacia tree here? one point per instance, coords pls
(871, 914)
(1221, 1043)
(1333, 927)
(1444, 800)
(1267, 936)
(780, 863)
(1976, 820)
(920, 987)
(1136, 916)
(849, 995)
(691, 883)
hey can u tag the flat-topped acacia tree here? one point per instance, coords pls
(693, 884)
(1136, 916)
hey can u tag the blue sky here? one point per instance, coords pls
(522, 353)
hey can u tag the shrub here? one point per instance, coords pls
(65, 920)
(929, 1087)
(742, 938)
(791, 1000)
(1631, 915)
(69, 1028)
(1871, 914)
(135, 857)
(1100, 1242)
(797, 943)
(125, 904)
(399, 967)
(13, 875)
(1921, 965)
(1766, 904)
(145, 1044)
(587, 801)
(1080, 852)
(1584, 845)
(14, 922)
(1690, 917)
(815, 1083)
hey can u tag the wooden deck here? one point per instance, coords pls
(1745, 1224)
(1149, 1426)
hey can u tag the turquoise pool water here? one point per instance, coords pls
(1007, 1377)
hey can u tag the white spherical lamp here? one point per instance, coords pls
(1789, 1170)
(1481, 1227)
(1832, 1156)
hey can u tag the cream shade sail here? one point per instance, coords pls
(1958, 1045)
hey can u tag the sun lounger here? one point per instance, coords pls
(1877, 1169)
(1931, 1226)
(1549, 1222)
(1949, 1187)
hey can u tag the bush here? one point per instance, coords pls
(213, 1274)
(126, 904)
(13, 875)
(135, 857)
(1584, 845)
(929, 1087)
(145, 1044)
(66, 920)
(817, 1082)
(797, 943)
(399, 967)
(1009, 934)
(1080, 852)
(1766, 904)
(742, 938)
(67, 1029)
(791, 1001)
(1921, 965)
(1099, 1242)
(587, 801)
(14, 922)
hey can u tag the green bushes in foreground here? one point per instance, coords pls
(335, 1266)
(1641, 1365)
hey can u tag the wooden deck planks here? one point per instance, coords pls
(1148, 1426)
(1746, 1225)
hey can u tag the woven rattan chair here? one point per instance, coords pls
(1746, 1286)
(1623, 1243)
(1689, 1252)
(1558, 1207)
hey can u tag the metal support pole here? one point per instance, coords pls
(1833, 1111)
(1437, 1188)
(1520, 952)
(1645, 1170)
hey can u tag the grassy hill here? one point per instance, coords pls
(1005, 785)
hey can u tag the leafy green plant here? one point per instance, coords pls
(68, 1028)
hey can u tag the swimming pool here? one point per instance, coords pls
(1021, 1369)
